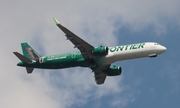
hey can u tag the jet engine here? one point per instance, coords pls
(114, 71)
(100, 51)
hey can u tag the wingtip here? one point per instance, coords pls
(56, 21)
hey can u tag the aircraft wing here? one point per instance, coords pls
(100, 74)
(84, 47)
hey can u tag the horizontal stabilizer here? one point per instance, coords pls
(29, 70)
(22, 58)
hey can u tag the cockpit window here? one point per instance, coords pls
(156, 44)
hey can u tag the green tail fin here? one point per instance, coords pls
(29, 52)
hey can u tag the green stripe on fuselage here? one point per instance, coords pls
(59, 61)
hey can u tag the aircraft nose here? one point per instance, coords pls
(163, 49)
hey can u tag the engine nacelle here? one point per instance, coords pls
(114, 71)
(100, 51)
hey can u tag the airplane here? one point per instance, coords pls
(98, 59)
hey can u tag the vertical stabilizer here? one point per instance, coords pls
(29, 52)
(29, 56)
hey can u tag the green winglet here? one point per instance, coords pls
(56, 21)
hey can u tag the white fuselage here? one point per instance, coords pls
(132, 51)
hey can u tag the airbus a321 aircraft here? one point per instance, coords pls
(98, 59)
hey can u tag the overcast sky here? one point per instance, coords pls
(144, 83)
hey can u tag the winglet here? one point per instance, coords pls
(56, 21)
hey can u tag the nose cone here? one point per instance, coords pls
(162, 49)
